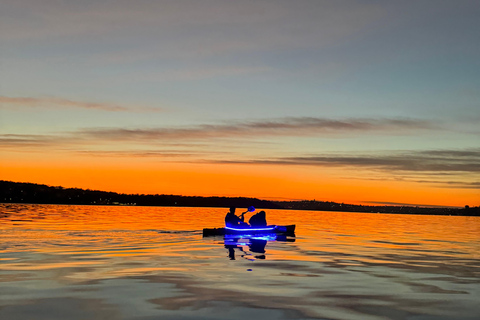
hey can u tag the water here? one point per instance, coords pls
(87, 262)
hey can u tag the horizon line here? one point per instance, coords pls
(272, 199)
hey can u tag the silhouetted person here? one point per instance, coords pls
(258, 220)
(231, 220)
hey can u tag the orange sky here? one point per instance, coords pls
(261, 181)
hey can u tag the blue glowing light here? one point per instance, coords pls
(251, 229)
(247, 239)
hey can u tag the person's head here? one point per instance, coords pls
(232, 210)
(262, 213)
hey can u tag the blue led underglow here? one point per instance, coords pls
(246, 239)
(251, 229)
(267, 237)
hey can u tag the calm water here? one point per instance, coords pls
(86, 262)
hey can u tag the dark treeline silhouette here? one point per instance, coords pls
(15, 192)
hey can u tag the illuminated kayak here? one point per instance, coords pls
(273, 229)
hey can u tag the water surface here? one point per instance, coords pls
(101, 262)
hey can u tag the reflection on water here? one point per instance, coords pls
(256, 248)
(86, 262)
(255, 244)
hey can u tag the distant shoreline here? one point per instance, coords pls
(31, 193)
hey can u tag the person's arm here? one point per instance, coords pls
(242, 217)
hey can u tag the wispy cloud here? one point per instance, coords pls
(441, 168)
(452, 168)
(223, 26)
(237, 133)
(461, 161)
(29, 141)
(164, 153)
(56, 103)
(452, 184)
(284, 127)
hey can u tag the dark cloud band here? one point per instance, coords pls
(283, 127)
(415, 161)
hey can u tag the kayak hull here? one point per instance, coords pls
(274, 229)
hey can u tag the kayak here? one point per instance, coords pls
(273, 229)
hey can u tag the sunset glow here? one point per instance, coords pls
(354, 102)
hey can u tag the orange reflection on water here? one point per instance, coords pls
(136, 234)
(156, 254)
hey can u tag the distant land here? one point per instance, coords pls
(18, 192)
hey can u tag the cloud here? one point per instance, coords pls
(452, 184)
(222, 26)
(209, 137)
(283, 127)
(434, 167)
(461, 161)
(52, 102)
(71, 142)
(457, 168)
(172, 153)
(28, 141)
(55, 103)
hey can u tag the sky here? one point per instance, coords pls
(350, 101)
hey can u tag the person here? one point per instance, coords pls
(231, 220)
(258, 220)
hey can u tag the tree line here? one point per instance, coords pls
(17, 192)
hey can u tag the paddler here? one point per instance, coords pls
(231, 220)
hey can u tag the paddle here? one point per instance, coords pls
(250, 209)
